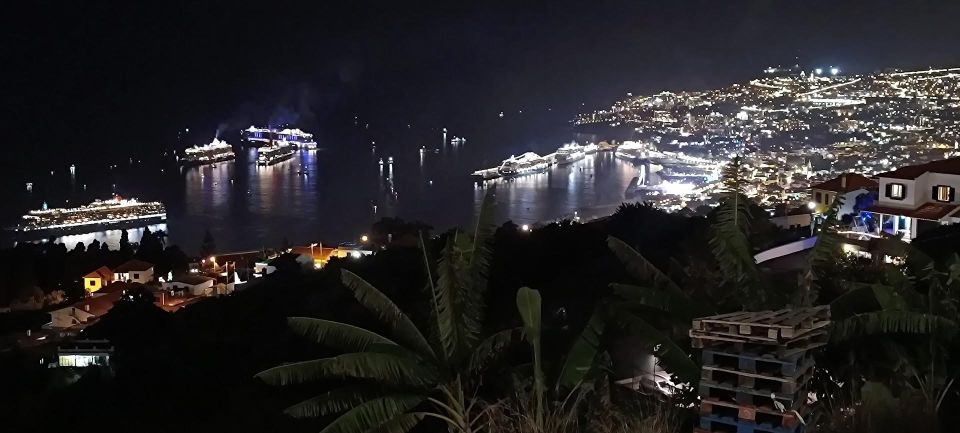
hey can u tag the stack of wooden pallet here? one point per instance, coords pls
(756, 366)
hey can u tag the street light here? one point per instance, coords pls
(313, 257)
(364, 238)
(525, 227)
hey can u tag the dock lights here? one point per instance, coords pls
(834, 71)
(819, 71)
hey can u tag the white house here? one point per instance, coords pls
(196, 285)
(85, 311)
(917, 197)
(83, 353)
(848, 185)
(134, 271)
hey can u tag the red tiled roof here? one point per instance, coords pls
(97, 305)
(101, 272)
(134, 265)
(926, 211)
(854, 182)
(945, 166)
(118, 286)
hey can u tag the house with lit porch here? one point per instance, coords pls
(858, 192)
(915, 198)
(135, 271)
(97, 279)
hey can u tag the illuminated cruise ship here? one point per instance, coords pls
(527, 163)
(636, 151)
(99, 215)
(266, 136)
(216, 151)
(274, 153)
(298, 137)
(569, 153)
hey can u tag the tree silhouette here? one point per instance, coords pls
(125, 249)
(208, 246)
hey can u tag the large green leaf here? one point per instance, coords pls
(730, 243)
(672, 357)
(401, 326)
(891, 322)
(457, 326)
(389, 368)
(336, 334)
(583, 354)
(480, 256)
(399, 424)
(859, 298)
(676, 304)
(639, 267)
(375, 414)
(491, 346)
(333, 401)
(529, 304)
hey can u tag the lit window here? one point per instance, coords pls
(896, 191)
(943, 193)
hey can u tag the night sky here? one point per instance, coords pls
(86, 79)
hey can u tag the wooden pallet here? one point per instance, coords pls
(772, 326)
(730, 392)
(766, 415)
(758, 345)
(711, 423)
(755, 362)
(744, 379)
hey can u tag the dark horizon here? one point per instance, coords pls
(92, 80)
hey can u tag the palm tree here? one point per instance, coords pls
(730, 242)
(421, 371)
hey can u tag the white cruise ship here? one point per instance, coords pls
(99, 215)
(298, 137)
(266, 136)
(275, 152)
(636, 151)
(569, 153)
(218, 150)
(526, 163)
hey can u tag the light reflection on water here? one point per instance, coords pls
(335, 193)
(111, 237)
(591, 187)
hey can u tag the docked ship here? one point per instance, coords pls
(96, 216)
(217, 151)
(526, 163)
(635, 151)
(591, 148)
(274, 153)
(298, 138)
(259, 136)
(267, 136)
(569, 153)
